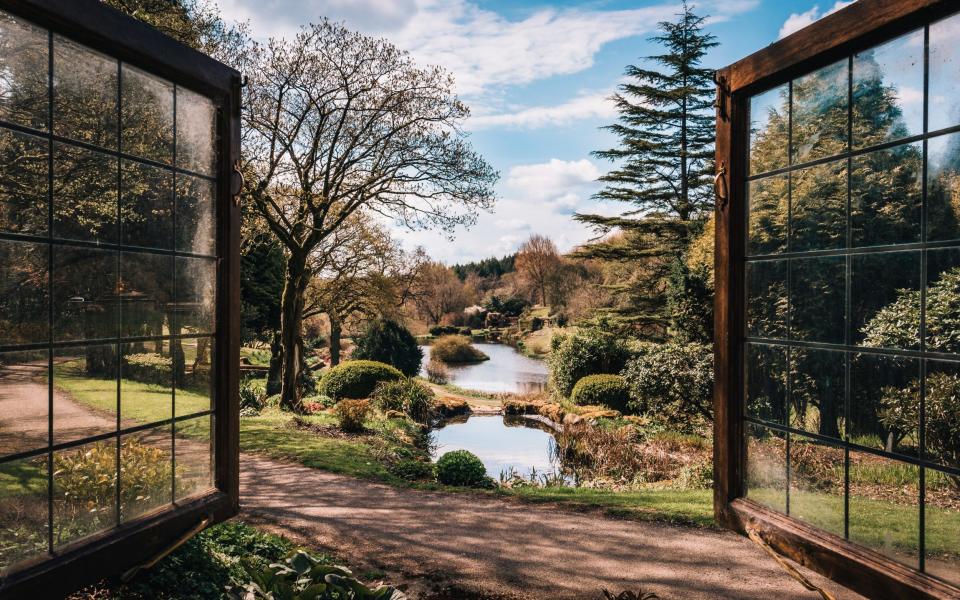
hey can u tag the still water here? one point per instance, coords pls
(500, 442)
(506, 371)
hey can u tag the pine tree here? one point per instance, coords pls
(666, 131)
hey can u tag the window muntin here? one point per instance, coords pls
(852, 300)
(108, 268)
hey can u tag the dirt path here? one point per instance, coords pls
(505, 547)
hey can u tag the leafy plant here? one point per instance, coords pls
(606, 390)
(411, 470)
(628, 595)
(437, 372)
(356, 378)
(589, 351)
(462, 468)
(389, 342)
(456, 349)
(439, 330)
(352, 414)
(407, 396)
(672, 384)
(148, 368)
(253, 396)
(303, 577)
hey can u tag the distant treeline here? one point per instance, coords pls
(488, 267)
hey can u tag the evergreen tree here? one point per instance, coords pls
(666, 131)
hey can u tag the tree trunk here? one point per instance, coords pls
(336, 332)
(291, 321)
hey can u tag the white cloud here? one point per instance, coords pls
(585, 106)
(485, 50)
(797, 21)
(554, 181)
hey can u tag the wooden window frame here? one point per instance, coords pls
(112, 552)
(857, 27)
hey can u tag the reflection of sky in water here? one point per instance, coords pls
(499, 446)
(506, 371)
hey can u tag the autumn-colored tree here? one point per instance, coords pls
(538, 262)
(437, 291)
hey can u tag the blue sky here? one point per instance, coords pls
(537, 76)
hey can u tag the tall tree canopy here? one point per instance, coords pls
(666, 132)
(336, 122)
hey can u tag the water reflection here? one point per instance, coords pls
(504, 444)
(507, 371)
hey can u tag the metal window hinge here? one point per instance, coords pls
(237, 183)
(720, 186)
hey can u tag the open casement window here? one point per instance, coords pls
(838, 297)
(118, 294)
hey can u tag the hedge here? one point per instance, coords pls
(603, 390)
(356, 378)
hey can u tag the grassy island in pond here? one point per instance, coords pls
(456, 349)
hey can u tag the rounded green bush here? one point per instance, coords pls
(356, 379)
(606, 390)
(389, 342)
(461, 468)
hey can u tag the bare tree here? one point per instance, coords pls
(538, 262)
(336, 121)
(437, 291)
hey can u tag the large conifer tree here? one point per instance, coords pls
(666, 131)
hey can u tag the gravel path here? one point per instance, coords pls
(504, 547)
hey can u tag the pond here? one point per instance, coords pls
(501, 442)
(507, 371)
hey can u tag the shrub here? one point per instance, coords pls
(411, 470)
(389, 342)
(356, 378)
(148, 368)
(605, 390)
(437, 372)
(253, 396)
(672, 384)
(438, 330)
(467, 331)
(407, 396)
(352, 414)
(462, 468)
(456, 349)
(586, 352)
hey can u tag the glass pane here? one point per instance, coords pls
(84, 491)
(24, 163)
(942, 531)
(767, 298)
(146, 206)
(884, 506)
(769, 122)
(817, 299)
(943, 303)
(84, 392)
(24, 299)
(24, 395)
(817, 391)
(943, 188)
(820, 113)
(84, 294)
(146, 291)
(767, 467)
(146, 472)
(885, 300)
(23, 72)
(885, 403)
(888, 91)
(943, 95)
(196, 133)
(819, 207)
(767, 382)
(146, 387)
(147, 119)
(768, 215)
(942, 406)
(817, 483)
(84, 195)
(194, 445)
(84, 94)
(195, 294)
(194, 382)
(886, 195)
(23, 511)
(196, 215)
